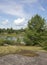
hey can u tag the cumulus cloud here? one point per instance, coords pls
(4, 22)
(19, 21)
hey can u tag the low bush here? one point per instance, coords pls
(45, 47)
(9, 42)
(1, 42)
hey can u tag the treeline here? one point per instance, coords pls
(11, 30)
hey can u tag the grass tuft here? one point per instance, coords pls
(24, 50)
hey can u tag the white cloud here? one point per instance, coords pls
(42, 8)
(12, 8)
(4, 22)
(19, 21)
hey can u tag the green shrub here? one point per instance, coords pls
(18, 42)
(27, 41)
(9, 42)
(45, 47)
(1, 42)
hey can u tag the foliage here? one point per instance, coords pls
(9, 42)
(1, 42)
(36, 34)
(18, 42)
(11, 30)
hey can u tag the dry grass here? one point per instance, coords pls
(13, 49)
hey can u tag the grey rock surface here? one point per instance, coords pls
(15, 59)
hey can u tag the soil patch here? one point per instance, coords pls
(27, 53)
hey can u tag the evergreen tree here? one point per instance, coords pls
(35, 33)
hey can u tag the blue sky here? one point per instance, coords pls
(16, 13)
